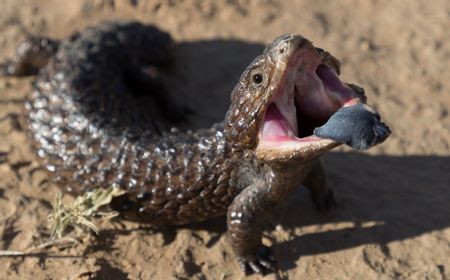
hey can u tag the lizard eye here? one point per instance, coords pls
(258, 78)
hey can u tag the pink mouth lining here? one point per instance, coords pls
(332, 83)
(276, 127)
(317, 96)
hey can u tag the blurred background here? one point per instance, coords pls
(393, 220)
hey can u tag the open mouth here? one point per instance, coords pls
(309, 94)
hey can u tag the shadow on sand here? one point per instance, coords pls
(381, 199)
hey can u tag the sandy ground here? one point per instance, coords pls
(393, 220)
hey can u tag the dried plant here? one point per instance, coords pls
(81, 213)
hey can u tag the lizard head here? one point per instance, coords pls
(283, 95)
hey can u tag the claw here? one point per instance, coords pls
(263, 263)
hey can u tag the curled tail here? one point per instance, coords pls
(87, 125)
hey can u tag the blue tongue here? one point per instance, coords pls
(355, 126)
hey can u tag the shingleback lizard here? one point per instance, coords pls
(90, 132)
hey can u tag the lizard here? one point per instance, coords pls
(287, 109)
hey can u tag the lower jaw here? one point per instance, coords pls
(291, 150)
(288, 146)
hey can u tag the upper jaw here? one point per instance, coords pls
(307, 95)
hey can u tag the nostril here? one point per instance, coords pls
(282, 50)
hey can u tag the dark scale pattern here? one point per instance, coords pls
(91, 132)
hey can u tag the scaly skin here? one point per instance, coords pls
(90, 133)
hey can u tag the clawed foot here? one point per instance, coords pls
(325, 201)
(264, 262)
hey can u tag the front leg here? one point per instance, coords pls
(245, 219)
